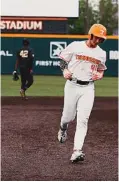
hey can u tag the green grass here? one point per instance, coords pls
(54, 86)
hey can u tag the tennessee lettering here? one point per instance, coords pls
(87, 58)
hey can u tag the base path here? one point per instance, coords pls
(30, 150)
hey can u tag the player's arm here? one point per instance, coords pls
(98, 75)
(31, 59)
(66, 54)
(15, 74)
(17, 61)
(16, 64)
(64, 67)
(65, 57)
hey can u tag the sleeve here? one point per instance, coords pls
(102, 65)
(67, 53)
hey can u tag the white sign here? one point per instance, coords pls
(5, 53)
(40, 8)
(56, 48)
(18, 25)
(114, 55)
(47, 63)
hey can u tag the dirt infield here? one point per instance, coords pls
(31, 151)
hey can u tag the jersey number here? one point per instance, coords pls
(94, 67)
(24, 53)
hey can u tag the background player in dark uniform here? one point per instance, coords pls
(24, 62)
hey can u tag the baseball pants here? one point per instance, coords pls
(26, 78)
(78, 101)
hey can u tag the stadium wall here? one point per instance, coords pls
(47, 48)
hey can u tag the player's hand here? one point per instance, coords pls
(97, 75)
(31, 71)
(67, 74)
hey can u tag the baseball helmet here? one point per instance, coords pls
(26, 41)
(98, 30)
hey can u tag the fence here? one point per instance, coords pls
(47, 47)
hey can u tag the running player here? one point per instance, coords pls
(82, 62)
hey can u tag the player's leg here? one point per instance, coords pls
(69, 109)
(70, 104)
(23, 83)
(23, 78)
(29, 77)
(84, 108)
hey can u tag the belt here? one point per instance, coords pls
(80, 82)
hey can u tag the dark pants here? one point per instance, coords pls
(26, 78)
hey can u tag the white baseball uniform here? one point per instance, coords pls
(82, 61)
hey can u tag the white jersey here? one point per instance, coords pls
(83, 60)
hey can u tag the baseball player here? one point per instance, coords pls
(25, 57)
(82, 63)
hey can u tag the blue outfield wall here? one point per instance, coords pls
(46, 61)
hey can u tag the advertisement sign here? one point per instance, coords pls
(33, 25)
(40, 8)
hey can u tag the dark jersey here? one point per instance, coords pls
(25, 57)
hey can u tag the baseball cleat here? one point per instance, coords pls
(77, 156)
(23, 95)
(62, 135)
